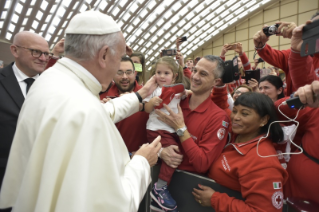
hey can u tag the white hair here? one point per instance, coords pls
(85, 47)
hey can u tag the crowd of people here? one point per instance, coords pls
(82, 125)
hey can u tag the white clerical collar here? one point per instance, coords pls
(20, 75)
(82, 69)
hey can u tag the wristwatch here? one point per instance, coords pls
(180, 131)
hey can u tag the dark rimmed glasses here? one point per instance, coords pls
(37, 53)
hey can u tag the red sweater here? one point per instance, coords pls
(303, 181)
(187, 73)
(206, 124)
(301, 70)
(219, 97)
(50, 63)
(258, 179)
(133, 128)
(280, 59)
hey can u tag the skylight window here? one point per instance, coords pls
(64, 24)
(56, 21)
(51, 29)
(39, 15)
(4, 15)
(136, 21)
(15, 18)
(239, 10)
(44, 26)
(33, 2)
(190, 15)
(11, 27)
(48, 37)
(224, 13)
(35, 24)
(253, 8)
(230, 2)
(83, 8)
(220, 9)
(29, 12)
(151, 4)
(44, 5)
(115, 11)
(8, 4)
(133, 8)
(67, 3)
(143, 13)
(103, 5)
(8, 36)
(53, 9)
(61, 11)
(24, 21)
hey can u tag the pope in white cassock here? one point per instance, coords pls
(67, 155)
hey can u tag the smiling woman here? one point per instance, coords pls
(259, 180)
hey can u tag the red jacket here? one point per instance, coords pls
(303, 172)
(279, 58)
(219, 97)
(50, 63)
(133, 128)
(208, 126)
(187, 72)
(259, 180)
(301, 70)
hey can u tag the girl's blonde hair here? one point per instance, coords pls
(176, 69)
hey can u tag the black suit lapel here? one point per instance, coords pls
(10, 83)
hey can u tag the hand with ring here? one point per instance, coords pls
(203, 195)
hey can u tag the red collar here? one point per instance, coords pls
(244, 148)
(201, 108)
(114, 91)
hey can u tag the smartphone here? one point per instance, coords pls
(138, 67)
(184, 38)
(294, 102)
(233, 46)
(169, 52)
(252, 74)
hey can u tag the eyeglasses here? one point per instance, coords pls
(37, 53)
(121, 73)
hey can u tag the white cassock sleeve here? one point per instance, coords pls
(69, 156)
(122, 107)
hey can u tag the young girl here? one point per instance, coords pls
(167, 73)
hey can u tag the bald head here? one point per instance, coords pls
(22, 38)
(23, 48)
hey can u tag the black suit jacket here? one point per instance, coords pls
(11, 100)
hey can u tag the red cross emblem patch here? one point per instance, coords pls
(221, 133)
(277, 199)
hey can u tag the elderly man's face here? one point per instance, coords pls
(125, 77)
(202, 78)
(115, 60)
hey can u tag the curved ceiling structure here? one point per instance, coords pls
(148, 25)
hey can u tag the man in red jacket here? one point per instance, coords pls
(202, 127)
(133, 128)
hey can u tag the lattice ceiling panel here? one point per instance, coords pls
(148, 25)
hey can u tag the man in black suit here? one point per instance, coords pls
(31, 52)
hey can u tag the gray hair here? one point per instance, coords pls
(85, 47)
(219, 70)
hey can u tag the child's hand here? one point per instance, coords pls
(156, 101)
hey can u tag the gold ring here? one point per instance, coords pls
(200, 202)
